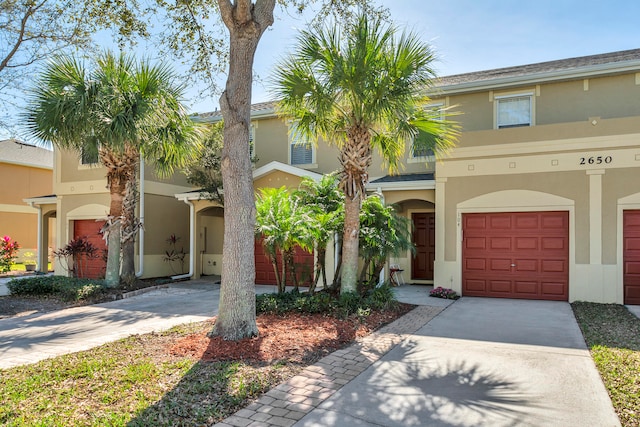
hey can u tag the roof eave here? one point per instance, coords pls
(535, 78)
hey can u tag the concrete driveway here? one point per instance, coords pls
(481, 362)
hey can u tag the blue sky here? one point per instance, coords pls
(473, 35)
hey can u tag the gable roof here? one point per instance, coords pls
(20, 153)
(563, 69)
(557, 70)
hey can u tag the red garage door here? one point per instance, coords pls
(516, 255)
(90, 230)
(264, 268)
(631, 257)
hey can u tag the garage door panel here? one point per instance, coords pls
(554, 243)
(632, 267)
(526, 265)
(526, 253)
(524, 222)
(500, 243)
(553, 288)
(476, 285)
(500, 286)
(500, 222)
(500, 264)
(553, 266)
(525, 288)
(632, 243)
(555, 220)
(526, 243)
(476, 243)
(478, 264)
(475, 222)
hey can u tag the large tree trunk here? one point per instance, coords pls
(237, 312)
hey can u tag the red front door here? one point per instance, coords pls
(516, 255)
(424, 239)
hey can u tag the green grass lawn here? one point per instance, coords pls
(132, 383)
(612, 334)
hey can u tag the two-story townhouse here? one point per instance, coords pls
(25, 170)
(541, 197)
(79, 206)
(283, 161)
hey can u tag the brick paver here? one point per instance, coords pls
(290, 401)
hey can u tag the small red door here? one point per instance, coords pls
(89, 229)
(631, 257)
(516, 255)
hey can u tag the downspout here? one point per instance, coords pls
(39, 236)
(141, 229)
(192, 241)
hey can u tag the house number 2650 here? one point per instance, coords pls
(595, 160)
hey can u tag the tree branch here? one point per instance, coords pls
(23, 26)
(226, 13)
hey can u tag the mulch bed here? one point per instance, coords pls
(295, 337)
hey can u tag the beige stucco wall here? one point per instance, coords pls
(17, 219)
(277, 179)
(570, 185)
(165, 216)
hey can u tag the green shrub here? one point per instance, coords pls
(64, 288)
(381, 298)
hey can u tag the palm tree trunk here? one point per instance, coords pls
(349, 275)
(130, 227)
(363, 275)
(274, 262)
(246, 23)
(112, 227)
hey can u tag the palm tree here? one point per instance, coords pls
(281, 220)
(325, 204)
(122, 110)
(383, 233)
(360, 88)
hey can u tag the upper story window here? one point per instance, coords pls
(420, 148)
(514, 110)
(88, 157)
(301, 150)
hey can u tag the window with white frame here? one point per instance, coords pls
(301, 150)
(514, 111)
(422, 143)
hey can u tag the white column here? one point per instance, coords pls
(595, 216)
